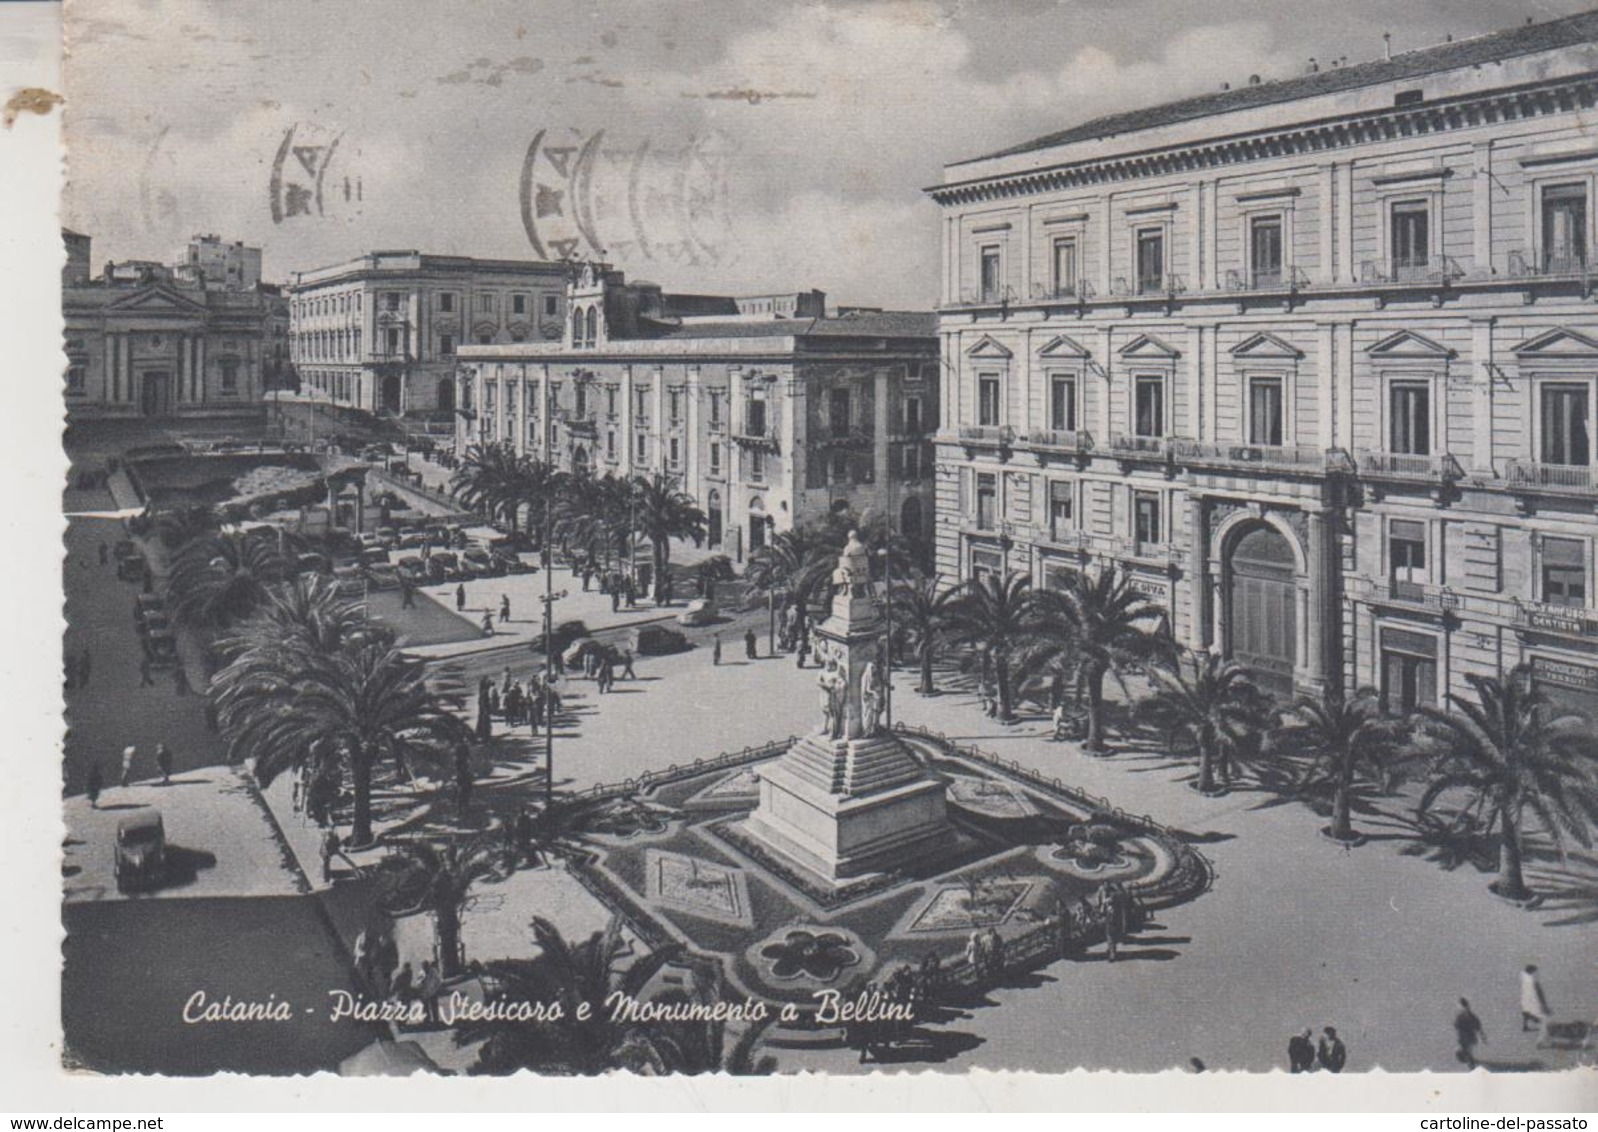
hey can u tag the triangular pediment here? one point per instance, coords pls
(1063, 347)
(156, 299)
(1266, 346)
(987, 347)
(1148, 346)
(1557, 343)
(1408, 344)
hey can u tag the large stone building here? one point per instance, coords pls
(217, 265)
(139, 342)
(380, 333)
(1314, 360)
(771, 413)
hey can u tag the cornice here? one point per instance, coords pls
(1396, 123)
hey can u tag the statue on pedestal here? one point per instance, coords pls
(872, 699)
(834, 697)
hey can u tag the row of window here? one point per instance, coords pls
(487, 303)
(1412, 223)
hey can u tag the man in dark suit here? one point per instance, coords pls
(1301, 1053)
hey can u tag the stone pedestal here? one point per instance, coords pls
(850, 798)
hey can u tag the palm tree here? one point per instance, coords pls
(221, 577)
(922, 607)
(573, 975)
(365, 703)
(183, 524)
(792, 567)
(1216, 712)
(661, 512)
(1108, 626)
(305, 615)
(995, 615)
(493, 478)
(592, 513)
(1349, 738)
(437, 877)
(1511, 755)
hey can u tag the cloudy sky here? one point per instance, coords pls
(717, 145)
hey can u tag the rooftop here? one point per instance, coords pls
(1490, 48)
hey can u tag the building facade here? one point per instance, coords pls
(769, 419)
(217, 265)
(1313, 360)
(380, 333)
(139, 343)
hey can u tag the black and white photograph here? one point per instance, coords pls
(870, 537)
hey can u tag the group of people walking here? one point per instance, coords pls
(517, 702)
(94, 781)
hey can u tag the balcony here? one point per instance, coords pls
(760, 440)
(1554, 479)
(1562, 264)
(1405, 467)
(986, 436)
(1065, 539)
(1075, 442)
(1436, 273)
(1403, 594)
(1142, 450)
(1266, 282)
(1300, 458)
(1079, 291)
(1149, 286)
(1566, 620)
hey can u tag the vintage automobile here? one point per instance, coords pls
(412, 569)
(382, 577)
(482, 563)
(374, 556)
(444, 566)
(699, 612)
(140, 860)
(130, 568)
(513, 563)
(412, 538)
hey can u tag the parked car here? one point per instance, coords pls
(368, 539)
(412, 538)
(140, 853)
(657, 640)
(482, 564)
(565, 633)
(146, 604)
(374, 556)
(312, 564)
(699, 612)
(382, 577)
(513, 563)
(161, 646)
(131, 568)
(412, 568)
(443, 566)
(387, 537)
(351, 580)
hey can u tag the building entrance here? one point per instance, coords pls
(1262, 608)
(156, 394)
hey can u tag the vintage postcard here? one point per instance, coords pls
(758, 538)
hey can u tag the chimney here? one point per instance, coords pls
(1226, 86)
(1313, 66)
(1253, 80)
(1387, 44)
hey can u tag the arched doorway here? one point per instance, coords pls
(1262, 607)
(446, 395)
(757, 524)
(579, 461)
(391, 393)
(713, 518)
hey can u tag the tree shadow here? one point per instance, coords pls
(1535, 1065)
(923, 1046)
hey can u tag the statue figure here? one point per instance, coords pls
(873, 698)
(833, 698)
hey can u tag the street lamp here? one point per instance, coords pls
(887, 651)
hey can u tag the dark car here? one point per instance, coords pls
(387, 537)
(657, 640)
(412, 538)
(412, 568)
(443, 566)
(513, 563)
(312, 563)
(482, 564)
(131, 568)
(140, 860)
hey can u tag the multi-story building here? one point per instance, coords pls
(215, 264)
(381, 332)
(1314, 360)
(770, 413)
(139, 343)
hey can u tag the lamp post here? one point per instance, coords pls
(548, 558)
(887, 649)
(771, 629)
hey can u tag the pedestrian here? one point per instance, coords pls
(180, 680)
(1469, 1033)
(127, 764)
(995, 954)
(329, 847)
(403, 985)
(1332, 1055)
(92, 786)
(1059, 721)
(627, 665)
(105, 554)
(715, 649)
(504, 608)
(1533, 1002)
(407, 592)
(1110, 918)
(1301, 1053)
(488, 623)
(632, 594)
(432, 986)
(145, 679)
(802, 653)
(751, 649)
(615, 600)
(460, 597)
(163, 762)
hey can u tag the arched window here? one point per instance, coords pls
(592, 334)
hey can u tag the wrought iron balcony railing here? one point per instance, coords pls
(1260, 279)
(994, 435)
(1401, 591)
(1417, 271)
(1150, 286)
(1573, 262)
(1562, 479)
(1152, 448)
(1075, 291)
(1273, 457)
(1408, 467)
(1061, 440)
